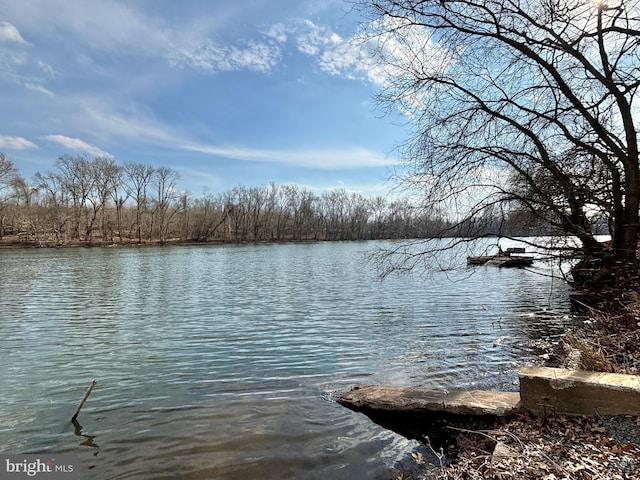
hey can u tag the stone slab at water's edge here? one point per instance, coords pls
(428, 400)
(543, 391)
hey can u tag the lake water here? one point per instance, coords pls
(219, 361)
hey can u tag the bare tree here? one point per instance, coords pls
(280, 203)
(106, 175)
(299, 205)
(116, 190)
(75, 176)
(21, 212)
(334, 212)
(527, 105)
(138, 178)
(53, 201)
(164, 181)
(209, 217)
(8, 172)
(185, 203)
(82, 195)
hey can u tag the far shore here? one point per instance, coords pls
(12, 242)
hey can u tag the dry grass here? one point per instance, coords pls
(585, 354)
(609, 341)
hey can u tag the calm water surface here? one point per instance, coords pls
(218, 362)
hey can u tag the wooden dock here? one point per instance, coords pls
(512, 258)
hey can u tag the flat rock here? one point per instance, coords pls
(426, 400)
(501, 453)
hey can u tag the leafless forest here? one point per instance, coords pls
(94, 201)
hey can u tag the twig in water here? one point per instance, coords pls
(84, 399)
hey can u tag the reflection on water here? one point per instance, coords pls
(87, 440)
(217, 362)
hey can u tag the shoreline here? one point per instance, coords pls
(17, 244)
(553, 446)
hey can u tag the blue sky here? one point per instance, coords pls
(225, 92)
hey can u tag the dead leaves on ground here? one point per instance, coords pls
(561, 448)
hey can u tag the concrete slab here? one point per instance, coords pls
(426, 400)
(555, 390)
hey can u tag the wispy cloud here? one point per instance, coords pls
(191, 43)
(18, 63)
(38, 88)
(343, 159)
(132, 122)
(48, 69)
(16, 143)
(141, 125)
(90, 23)
(77, 144)
(263, 53)
(9, 33)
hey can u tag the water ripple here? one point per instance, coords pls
(215, 362)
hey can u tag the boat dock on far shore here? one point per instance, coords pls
(511, 258)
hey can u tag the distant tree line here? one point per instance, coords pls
(94, 200)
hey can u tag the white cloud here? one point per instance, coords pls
(16, 143)
(211, 57)
(350, 58)
(369, 56)
(77, 144)
(38, 88)
(334, 54)
(48, 69)
(313, 39)
(399, 42)
(278, 32)
(342, 159)
(9, 33)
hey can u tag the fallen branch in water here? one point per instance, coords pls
(84, 399)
